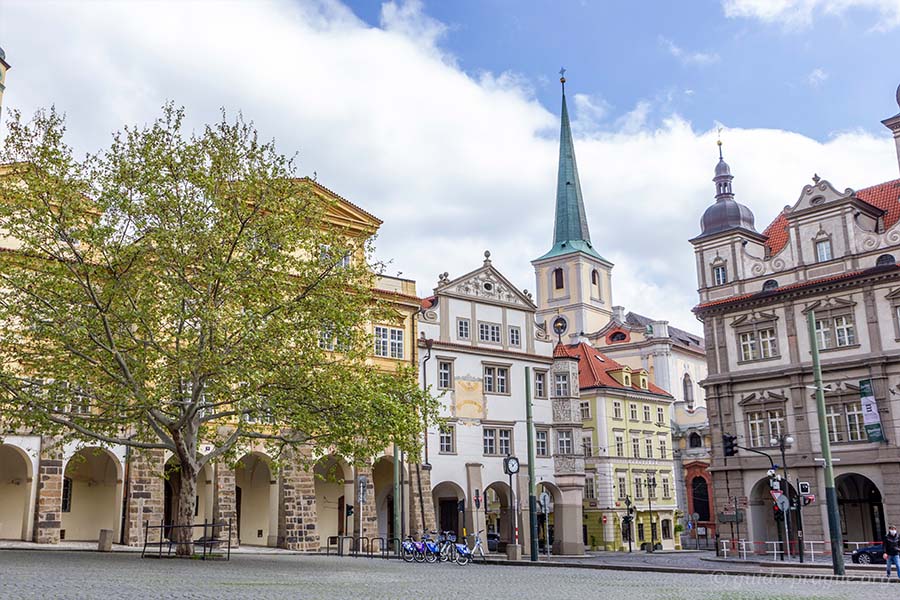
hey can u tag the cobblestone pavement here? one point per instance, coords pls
(50, 575)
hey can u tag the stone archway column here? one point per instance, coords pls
(145, 499)
(568, 516)
(48, 507)
(225, 500)
(420, 478)
(297, 516)
(474, 517)
(366, 523)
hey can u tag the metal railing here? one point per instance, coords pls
(208, 542)
(812, 549)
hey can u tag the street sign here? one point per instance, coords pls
(362, 484)
(783, 503)
(809, 499)
(776, 494)
(545, 503)
(695, 516)
(803, 487)
(731, 517)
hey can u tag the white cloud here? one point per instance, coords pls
(817, 77)
(454, 164)
(590, 112)
(686, 57)
(798, 14)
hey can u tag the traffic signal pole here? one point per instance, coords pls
(532, 500)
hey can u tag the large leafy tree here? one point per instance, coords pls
(183, 288)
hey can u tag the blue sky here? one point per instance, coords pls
(831, 76)
(442, 118)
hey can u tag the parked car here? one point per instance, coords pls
(868, 555)
(493, 542)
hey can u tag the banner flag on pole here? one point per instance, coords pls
(871, 419)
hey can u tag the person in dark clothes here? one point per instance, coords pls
(892, 550)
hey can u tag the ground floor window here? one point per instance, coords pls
(667, 529)
(640, 532)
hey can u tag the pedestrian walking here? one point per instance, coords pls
(892, 550)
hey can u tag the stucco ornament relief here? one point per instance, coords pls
(485, 285)
(468, 399)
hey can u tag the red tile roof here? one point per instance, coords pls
(594, 369)
(777, 232)
(885, 196)
(428, 302)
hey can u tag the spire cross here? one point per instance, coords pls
(562, 78)
(719, 141)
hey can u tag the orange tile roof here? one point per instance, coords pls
(885, 196)
(594, 369)
(428, 302)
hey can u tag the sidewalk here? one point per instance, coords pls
(92, 547)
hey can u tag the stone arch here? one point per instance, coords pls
(256, 500)
(497, 502)
(383, 481)
(547, 523)
(763, 527)
(16, 490)
(333, 481)
(861, 508)
(92, 494)
(203, 500)
(446, 496)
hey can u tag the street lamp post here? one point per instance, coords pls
(783, 441)
(629, 520)
(651, 489)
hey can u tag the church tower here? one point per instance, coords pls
(574, 283)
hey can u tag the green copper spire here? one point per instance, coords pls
(570, 232)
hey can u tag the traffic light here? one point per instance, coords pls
(461, 506)
(779, 515)
(349, 509)
(729, 444)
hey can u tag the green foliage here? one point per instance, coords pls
(175, 289)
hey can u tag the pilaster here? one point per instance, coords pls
(48, 511)
(145, 498)
(225, 502)
(297, 517)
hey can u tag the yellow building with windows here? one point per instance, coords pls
(627, 444)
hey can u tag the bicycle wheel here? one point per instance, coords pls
(419, 556)
(407, 554)
(462, 559)
(446, 553)
(431, 557)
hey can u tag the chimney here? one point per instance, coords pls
(659, 329)
(619, 314)
(893, 123)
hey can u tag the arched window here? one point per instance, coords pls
(595, 277)
(617, 337)
(884, 260)
(769, 285)
(558, 278)
(695, 441)
(688, 387)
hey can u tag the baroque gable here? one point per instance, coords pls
(486, 284)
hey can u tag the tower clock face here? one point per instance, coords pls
(559, 326)
(512, 465)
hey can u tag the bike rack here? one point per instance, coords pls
(332, 539)
(340, 543)
(395, 543)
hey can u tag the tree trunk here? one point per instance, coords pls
(183, 511)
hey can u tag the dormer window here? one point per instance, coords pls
(823, 251)
(558, 278)
(720, 275)
(617, 337)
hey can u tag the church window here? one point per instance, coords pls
(617, 337)
(695, 441)
(885, 260)
(558, 278)
(595, 277)
(720, 275)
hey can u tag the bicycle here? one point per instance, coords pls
(447, 541)
(408, 549)
(431, 549)
(478, 547)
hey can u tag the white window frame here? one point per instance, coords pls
(589, 489)
(561, 384)
(489, 333)
(463, 329)
(617, 409)
(540, 384)
(447, 439)
(489, 441)
(585, 408)
(635, 446)
(445, 374)
(623, 486)
(515, 336)
(824, 251)
(388, 342)
(504, 441)
(564, 441)
(541, 447)
(720, 275)
(647, 414)
(856, 430)
(648, 447)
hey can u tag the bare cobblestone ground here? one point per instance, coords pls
(75, 575)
